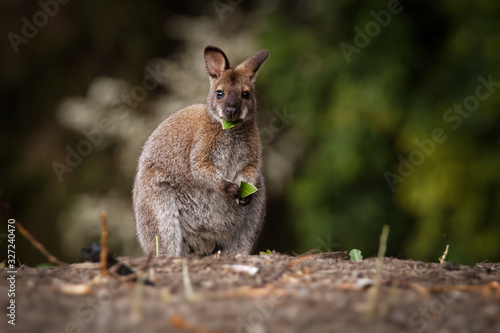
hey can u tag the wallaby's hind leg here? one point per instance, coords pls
(157, 215)
(253, 217)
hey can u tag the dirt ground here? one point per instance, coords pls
(323, 292)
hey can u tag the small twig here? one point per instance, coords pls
(104, 243)
(36, 244)
(378, 273)
(445, 253)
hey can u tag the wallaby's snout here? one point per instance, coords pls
(232, 104)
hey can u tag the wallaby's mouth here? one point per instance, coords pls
(227, 124)
(234, 118)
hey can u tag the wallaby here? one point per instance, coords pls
(187, 187)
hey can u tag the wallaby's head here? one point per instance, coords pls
(232, 91)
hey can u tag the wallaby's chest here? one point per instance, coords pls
(230, 155)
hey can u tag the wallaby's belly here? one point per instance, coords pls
(210, 221)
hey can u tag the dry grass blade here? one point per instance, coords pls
(445, 253)
(188, 287)
(137, 298)
(156, 238)
(373, 294)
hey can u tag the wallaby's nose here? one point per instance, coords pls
(230, 111)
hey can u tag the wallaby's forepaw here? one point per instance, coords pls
(232, 189)
(245, 201)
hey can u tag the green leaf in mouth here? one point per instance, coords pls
(226, 124)
(246, 189)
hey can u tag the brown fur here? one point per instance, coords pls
(190, 169)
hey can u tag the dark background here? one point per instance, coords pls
(353, 120)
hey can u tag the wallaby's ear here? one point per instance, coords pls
(253, 63)
(215, 61)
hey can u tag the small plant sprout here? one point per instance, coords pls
(266, 252)
(355, 255)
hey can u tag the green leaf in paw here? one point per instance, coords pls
(226, 124)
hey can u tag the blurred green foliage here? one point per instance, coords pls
(359, 116)
(356, 119)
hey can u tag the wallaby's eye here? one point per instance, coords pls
(245, 95)
(220, 94)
